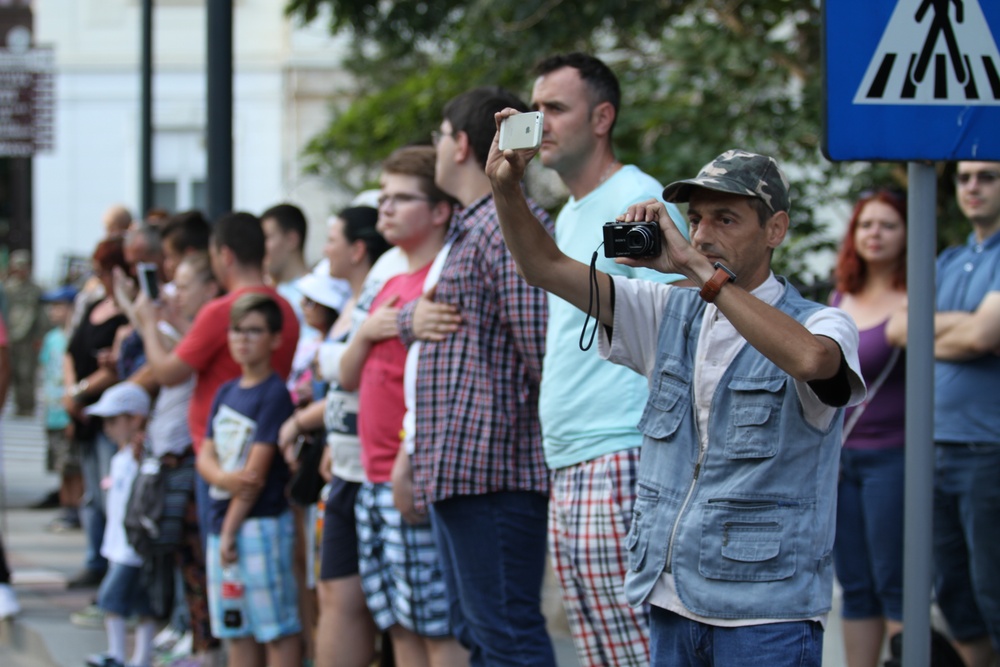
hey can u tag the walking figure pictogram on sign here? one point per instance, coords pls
(911, 63)
(940, 24)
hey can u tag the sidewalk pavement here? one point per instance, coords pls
(42, 562)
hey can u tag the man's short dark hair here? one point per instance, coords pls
(186, 231)
(472, 113)
(257, 302)
(763, 211)
(290, 218)
(242, 234)
(600, 80)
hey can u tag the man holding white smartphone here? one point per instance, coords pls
(589, 407)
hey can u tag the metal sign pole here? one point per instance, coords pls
(919, 493)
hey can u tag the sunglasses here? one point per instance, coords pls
(986, 177)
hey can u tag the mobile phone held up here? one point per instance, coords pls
(149, 281)
(523, 130)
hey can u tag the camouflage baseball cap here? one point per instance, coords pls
(737, 172)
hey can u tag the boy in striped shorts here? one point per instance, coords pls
(397, 558)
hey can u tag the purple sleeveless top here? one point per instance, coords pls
(882, 425)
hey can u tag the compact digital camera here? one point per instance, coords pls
(631, 239)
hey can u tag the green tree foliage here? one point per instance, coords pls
(698, 77)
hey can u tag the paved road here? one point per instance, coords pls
(42, 635)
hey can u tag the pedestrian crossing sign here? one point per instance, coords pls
(911, 79)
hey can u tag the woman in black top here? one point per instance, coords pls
(86, 378)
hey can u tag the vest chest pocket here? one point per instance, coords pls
(666, 407)
(755, 417)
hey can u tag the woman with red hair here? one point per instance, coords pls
(868, 551)
(85, 379)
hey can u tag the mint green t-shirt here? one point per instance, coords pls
(590, 407)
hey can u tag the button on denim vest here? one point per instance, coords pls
(748, 531)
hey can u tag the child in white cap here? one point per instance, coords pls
(123, 408)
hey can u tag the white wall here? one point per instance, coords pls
(285, 77)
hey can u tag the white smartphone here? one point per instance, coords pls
(148, 279)
(523, 130)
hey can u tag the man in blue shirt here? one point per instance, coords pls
(967, 419)
(593, 451)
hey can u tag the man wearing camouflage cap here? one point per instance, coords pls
(734, 522)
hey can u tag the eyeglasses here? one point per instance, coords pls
(400, 199)
(247, 332)
(987, 177)
(438, 135)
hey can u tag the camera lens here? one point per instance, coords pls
(639, 241)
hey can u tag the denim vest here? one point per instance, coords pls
(747, 526)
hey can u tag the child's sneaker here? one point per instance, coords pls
(180, 649)
(166, 638)
(90, 616)
(9, 606)
(103, 660)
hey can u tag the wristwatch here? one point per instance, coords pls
(711, 289)
(78, 389)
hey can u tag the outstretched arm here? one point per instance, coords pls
(538, 258)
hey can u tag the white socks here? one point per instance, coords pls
(144, 633)
(115, 625)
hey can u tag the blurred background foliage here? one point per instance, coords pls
(698, 77)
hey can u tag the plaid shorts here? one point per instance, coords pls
(270, 594)
(589, 516)
(399, 566)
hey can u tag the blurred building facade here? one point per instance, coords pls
(286, 77)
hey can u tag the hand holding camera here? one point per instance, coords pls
(644, 235)
(632, 239)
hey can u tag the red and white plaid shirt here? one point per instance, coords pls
(477, 392)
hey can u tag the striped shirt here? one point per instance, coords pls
(477, 392)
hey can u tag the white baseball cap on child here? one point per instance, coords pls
(124, 398)
(325, 290)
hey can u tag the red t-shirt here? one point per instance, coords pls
(205, 348)
(381, 405)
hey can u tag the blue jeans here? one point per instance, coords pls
(492, 550)
(203, 503)
(868, 551)
(675, 640)
(95, 465)
(966, 549)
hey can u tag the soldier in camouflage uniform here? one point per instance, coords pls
(26, 324)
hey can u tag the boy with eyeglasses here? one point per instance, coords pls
(967, 419)
(397, 560)
(251, 527)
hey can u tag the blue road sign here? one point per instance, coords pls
(911, 79)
